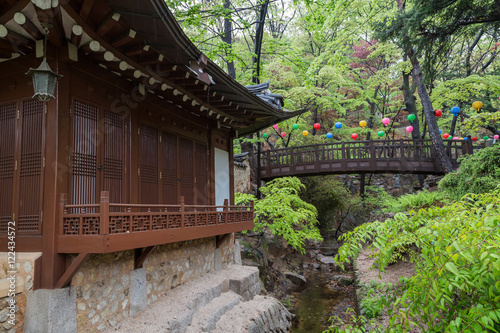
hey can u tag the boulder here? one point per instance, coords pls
(296, 279)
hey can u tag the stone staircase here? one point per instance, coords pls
(226, 300)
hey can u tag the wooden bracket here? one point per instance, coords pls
(220, 239)
(140, 255)
(65, 279)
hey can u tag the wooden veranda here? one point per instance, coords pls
(372, 156)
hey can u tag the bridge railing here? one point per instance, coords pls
(370, 150)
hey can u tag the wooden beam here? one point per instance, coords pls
(16, 7)
(92, 46)
(27, 25)
(65, 279)
(220, 239)
(141, 255)
(86, 9)
(136, 49)
(124, 38)
(107, 24)
(76, 35)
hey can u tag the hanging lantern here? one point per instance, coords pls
(438, 113)
(317, 126)
(446, 135)
(455, 110)
(329, 135)
(386, 121)
(495, 136)
(466, 138)
(305, 133)
(265, 135)
(474, 138)
(381, 133)
(455, 138)
(411, 117)
(295, 126)
(362, 123)
(477, 105)
(440, 131)
(354, 136)
(486, 137)
(338, 125)
(409, 129)
(44, 81)
(283, 134)
(275, 126)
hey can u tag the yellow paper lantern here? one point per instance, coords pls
(477, 105)
(305, 133)
(362, 123)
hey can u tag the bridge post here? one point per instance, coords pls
(316, 163)
(372, 160)
(402, 153)
(344, 161)
(292, 161)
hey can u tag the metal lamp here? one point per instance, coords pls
(44, 81)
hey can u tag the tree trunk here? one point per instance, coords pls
(259, 33)
(227, 38)
(444, 160)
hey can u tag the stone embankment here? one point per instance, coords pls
(227, 300)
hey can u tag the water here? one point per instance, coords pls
(316, 304)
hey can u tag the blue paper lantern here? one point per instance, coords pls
(338, 125)
(466, 138)
(440, 132)
(455, 110)
(329, 135)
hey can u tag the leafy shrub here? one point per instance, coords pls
(478, 173)
(456, 286)
(284, 213)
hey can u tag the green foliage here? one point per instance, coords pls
(284, 213)
(456, 286)
(358, 324)
(478, 173)
(421, 199)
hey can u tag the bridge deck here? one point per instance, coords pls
(373, 156)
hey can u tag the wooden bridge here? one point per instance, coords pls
(372, 156)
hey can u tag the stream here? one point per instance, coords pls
(318, 301)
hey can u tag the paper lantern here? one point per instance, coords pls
(275, 126)
(486, 137)
(438, 113)
(495, 136)
(329, 135)
(440, 132)
(455, 138)
(409, 129)
(305, 133)
(265, 135)
(446, 135)
(354, 136)
(411, 117)
(455, 110)
(295, 126)
(477, 105)
(466, 138)
(362, 123)
(474, 138)
(381, 133)
(338, 125)
(386, 121)
(317, 126)
(283, 134)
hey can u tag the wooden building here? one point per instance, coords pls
(135, 148)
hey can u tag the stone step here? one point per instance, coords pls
(174, 311)
(262, 314)
(207, 317)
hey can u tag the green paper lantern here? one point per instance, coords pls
(265, 135)
(411, 117)
(381, 133)
(295, 126)
(486, 137)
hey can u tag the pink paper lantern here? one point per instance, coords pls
(496, 136)
(409, 129)
(275, 126)
(283, 134)
(386, 121)
(455, 138)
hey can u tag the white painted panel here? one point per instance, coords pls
(222, 176)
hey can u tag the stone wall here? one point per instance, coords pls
(103, 284)
(242, 182)
(24, 277)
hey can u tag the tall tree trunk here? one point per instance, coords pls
(227, 38)
(259, 33)
(444, 160)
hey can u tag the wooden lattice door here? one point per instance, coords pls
(186, 160)
(97, 161)
(21, 165)
(201, 174)
(149, 164)
(169, 169)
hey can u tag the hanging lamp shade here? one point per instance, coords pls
(44, 81)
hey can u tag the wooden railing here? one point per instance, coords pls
(138, 224)
(373, 156)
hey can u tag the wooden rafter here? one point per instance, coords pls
(86, 9)
(16, 7)
(140, 255)
(27, 25)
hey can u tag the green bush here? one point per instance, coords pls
(456, 286)
(284, 213)
(478, 173)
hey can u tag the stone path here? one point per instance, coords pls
(227, 300)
